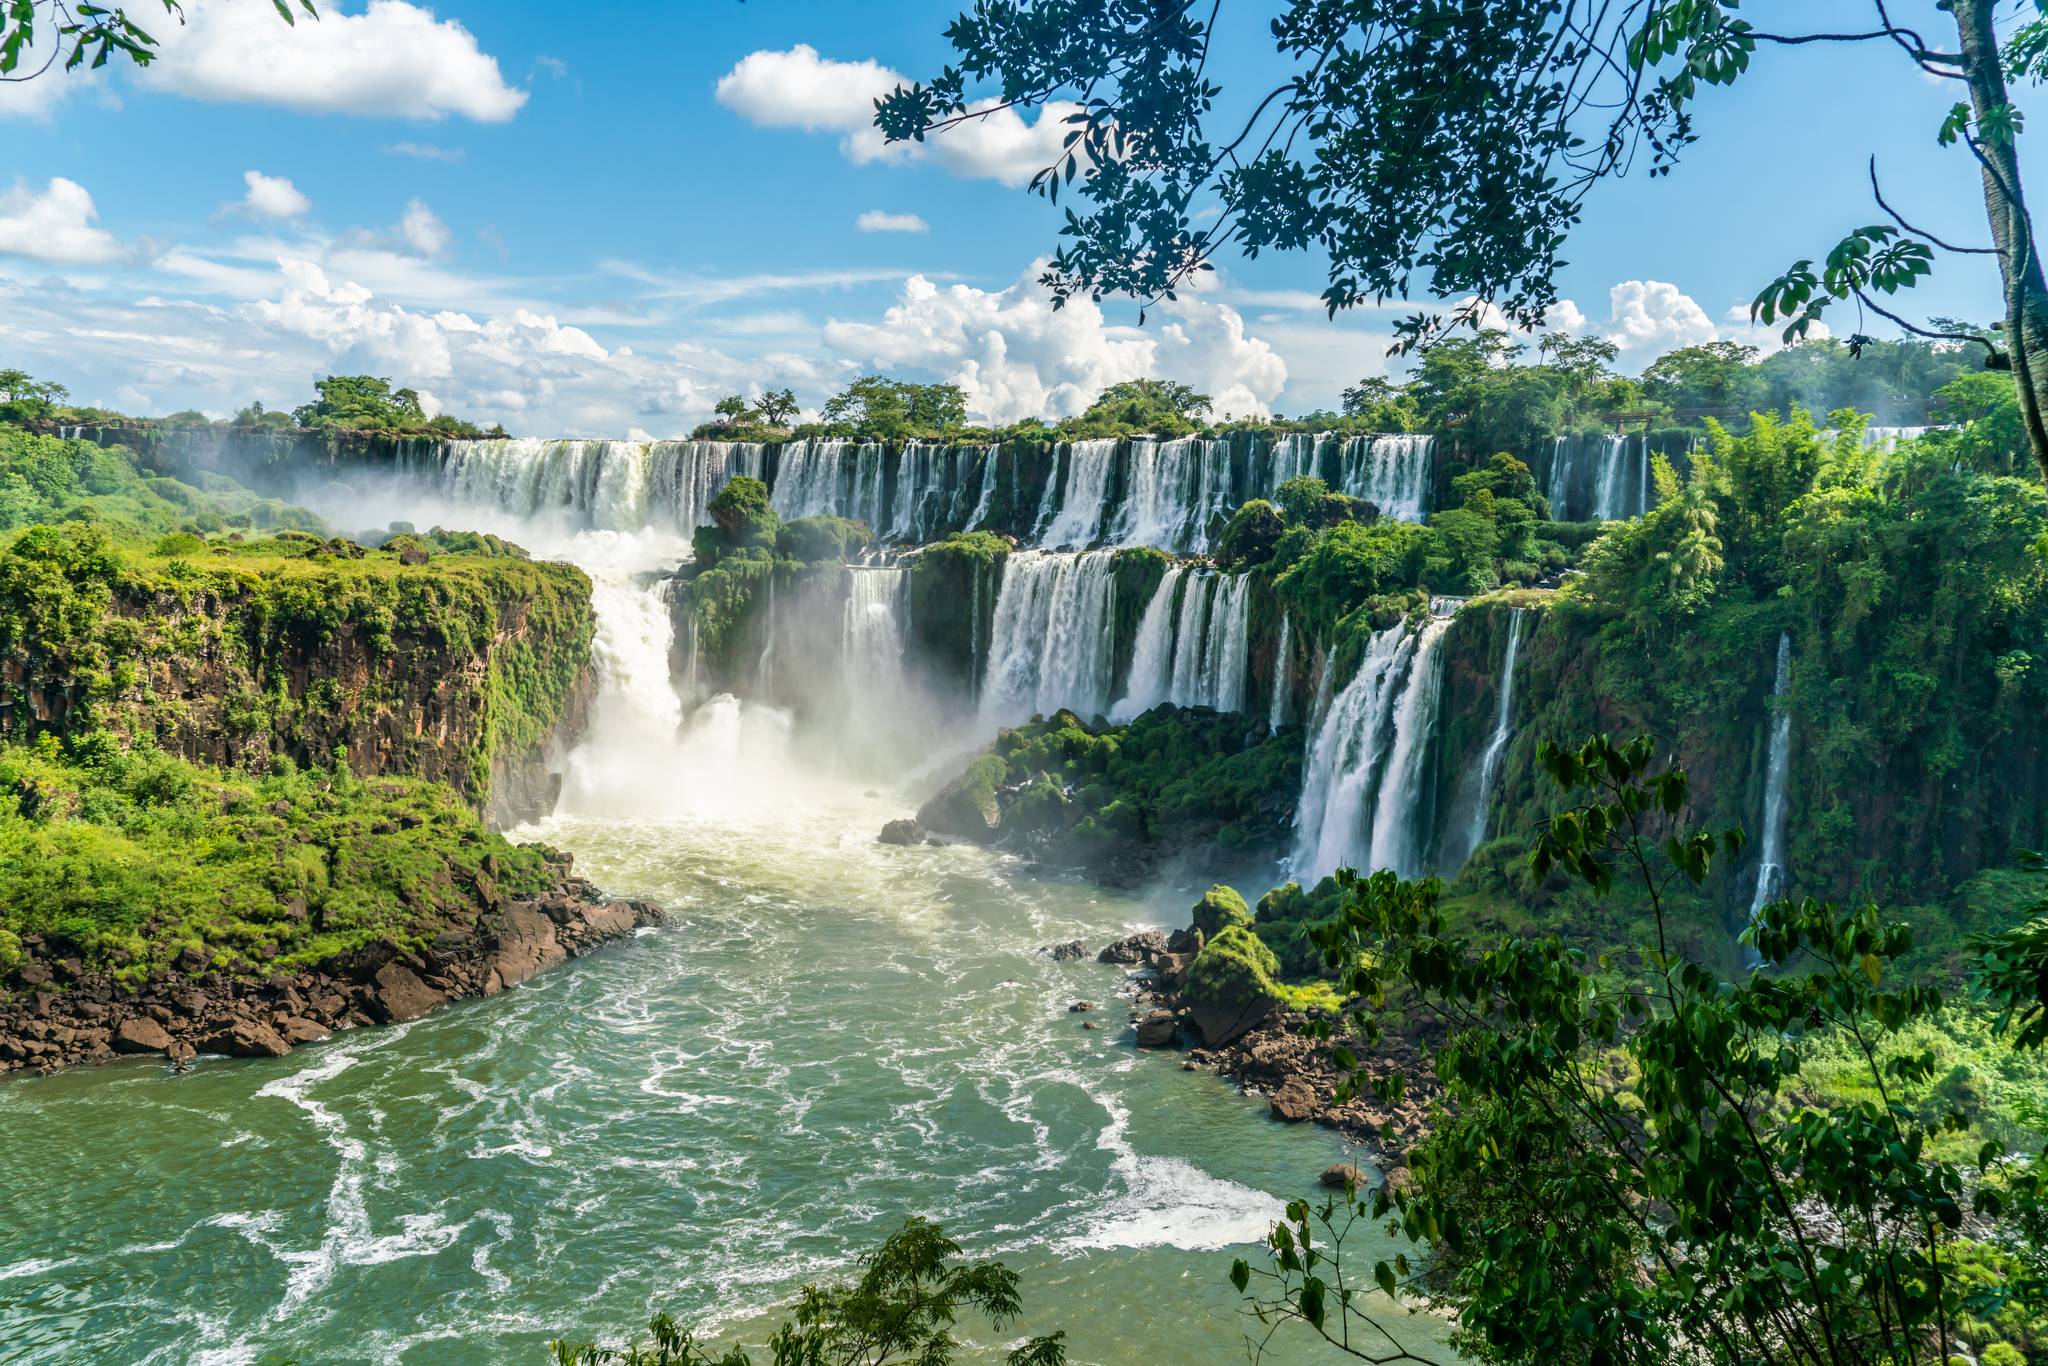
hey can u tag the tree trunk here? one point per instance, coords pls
(2019, 263)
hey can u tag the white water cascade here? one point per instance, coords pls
(602, 485)
(1196, 654)
(1770, 864)
(1076, 519)
(1475, 806)
(1049, 643)
(1393, 472)
(1176, 488)
(1283, 664)
(1599, 486)
(1362, 798)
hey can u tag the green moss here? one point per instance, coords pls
(1220, 908)
(129, 858)
(953, 586)
(812, 540)
(1135, 575)
(1236, 968)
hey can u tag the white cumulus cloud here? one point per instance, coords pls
(394, 60)
(1015, 356)
(272, 196)
(421, 230)
(875, 220)
(55, 225)
(801, 89)
(1647, 318)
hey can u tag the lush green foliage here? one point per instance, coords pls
(911, 1293)
(1139, 407)
(45, 479)
(1639, 1170)
(366, 403)
(129, 859)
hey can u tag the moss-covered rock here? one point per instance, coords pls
(1233, 985)
(1220, 908)
(953, 586)
(970, 806)
(813, 540)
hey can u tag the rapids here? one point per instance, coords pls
(830, 1035)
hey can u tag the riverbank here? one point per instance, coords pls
(68, 1016)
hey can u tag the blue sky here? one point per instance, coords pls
(597, 227)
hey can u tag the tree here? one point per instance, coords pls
(1382, 404)
(1445, 147)
(902, 1310)
(1627, 1168)
(23, 398)
(82, 34)
(777, 407)
(732, 411)
(1718, 375)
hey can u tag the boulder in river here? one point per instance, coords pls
(140, 1034)
(1339, 1175)
(396, 994)
(1294, 1102)
(1070, 952)
(1157, 1030)
(1134, 951)
(903, 833)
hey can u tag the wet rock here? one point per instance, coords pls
(1090, 1024)
(246, 1039)
(140, 1034)
(1173, 969)
(296, 1030)
(903, 833)
(397, 994)
(526, 945)
(1136, 950)
(1157, 1030)
(1294, 1102)
(1399, 1179)
(1070, 952)
(1079, 1006)
(1339, 1175)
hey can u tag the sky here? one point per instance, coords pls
(599, 226)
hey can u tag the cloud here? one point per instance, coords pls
(875, 220)
(1015, 356)
(55, 226)
(1647, 318)
(422, 231)
(801, 89)
(394, 60)
(272, 196)
(424, 151)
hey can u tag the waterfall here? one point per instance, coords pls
(1393, 472)
(1293, 457)
(1475, 806)
(1049, 643)
(1362, 801)
(1606, 486)
(989, 468)
(595, 485)
(807, 479)
(1770, 864)
(1283, 663)
(1151, 679)
(1078, 521)
(1176, 487)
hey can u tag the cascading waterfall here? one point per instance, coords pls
(1770, 864)
(1294, 457)
(1049, 642)
(1175, 488)
(1283, 663)
(807, 479)
(1195, 655)
(601, 485)
(1362, 799)
(1603, 486)
(1475, 804)
(1084, 499)
(1393, 472)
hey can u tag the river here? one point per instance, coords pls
(828, 1036)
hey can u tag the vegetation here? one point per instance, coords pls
(365, 403)
(1639, 1166)
(1466, 189)
(911, 1293)
(144, 865)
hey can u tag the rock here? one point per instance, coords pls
(1090, 1024)
(1173, 969)
(526, 945)
(1219, 908)
(1134, 951)
(1070, 952)
(246, 1039)
(181, 1052)
(1338, 1175)
(1399, 1179)
(1080, 1006)
(902, 833)
(1157, 1030)
(1294, 1102)
(1191, 1066)
(412, 553)
(140, 1034)
(397, 994)
(608, 921)
(968, 807)
(297, 1030)
(1187, 939)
